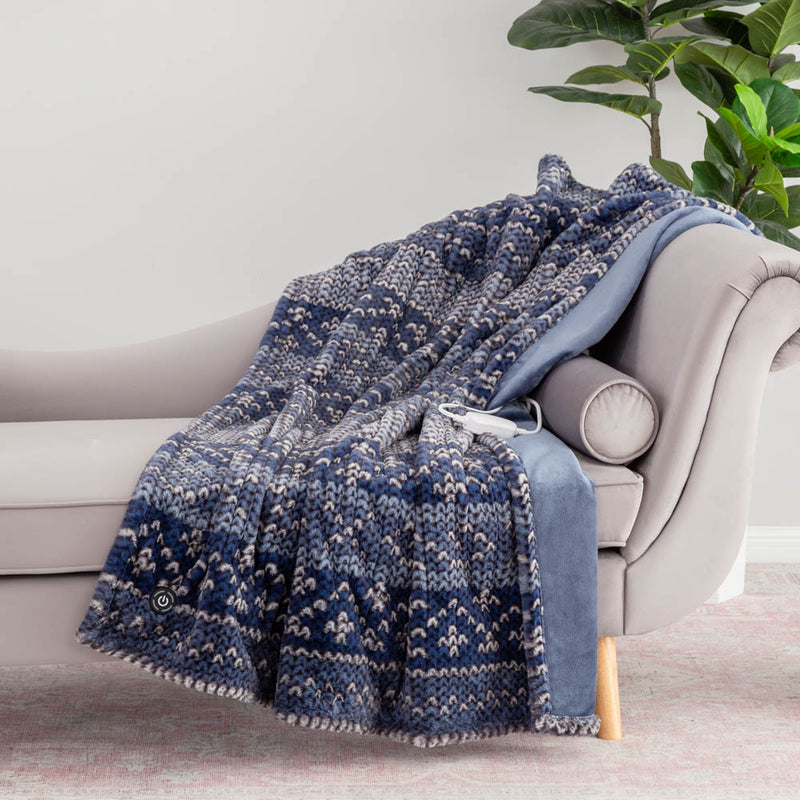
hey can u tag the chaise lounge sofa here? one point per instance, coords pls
(717, 310)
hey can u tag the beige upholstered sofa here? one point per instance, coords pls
(716, 311)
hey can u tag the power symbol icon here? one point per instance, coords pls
(162, 600)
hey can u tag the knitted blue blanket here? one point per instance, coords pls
(324, 540)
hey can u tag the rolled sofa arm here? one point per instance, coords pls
(174, 376)
(715, 312)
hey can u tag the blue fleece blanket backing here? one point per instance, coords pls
(564, 513)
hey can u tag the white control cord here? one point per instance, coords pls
(478, 421)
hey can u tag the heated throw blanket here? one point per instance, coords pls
(324, 539)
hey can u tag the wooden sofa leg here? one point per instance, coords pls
(607, 704)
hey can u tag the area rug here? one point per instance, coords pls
(710, 710)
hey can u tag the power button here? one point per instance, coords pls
(163, 600)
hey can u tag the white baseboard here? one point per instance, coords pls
(773, 544)
(733, 585)
(763, 544)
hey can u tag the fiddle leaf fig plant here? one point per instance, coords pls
(734, 63)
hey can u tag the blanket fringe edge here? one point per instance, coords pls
(588, 725)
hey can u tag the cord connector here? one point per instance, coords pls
(478, 421)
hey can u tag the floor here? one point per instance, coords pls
(711, 709)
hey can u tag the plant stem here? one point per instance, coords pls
(655, 129)
(748, 185)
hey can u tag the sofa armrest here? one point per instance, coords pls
(711, 315)
(174, 376)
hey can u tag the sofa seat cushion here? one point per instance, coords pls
(618, 492)
(64, 488)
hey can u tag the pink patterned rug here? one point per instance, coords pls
(710, 710)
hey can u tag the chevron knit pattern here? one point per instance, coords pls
(337, 548)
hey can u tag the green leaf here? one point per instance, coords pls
(753, 147)
(724, 24)
(776, 62)
(781, 103)
(679, 10)
(650, 58)
(709, 182)
(632, 3)
(603, 73)
(634, 104)
(671, 171)
(558, 23)
(764, 206)
(789, 131)
(774, 26)
(733, 59)
(701, 83)
(770, 180)
(785, 161)
(722, 138)
(740, 176)
(727, 171)
(727, 82)
(788, 72)
(788, 172)
(788, 145)
(777, 233)
(750, 109)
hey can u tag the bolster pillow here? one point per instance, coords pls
(598, 410)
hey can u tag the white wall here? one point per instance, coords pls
(165, 164)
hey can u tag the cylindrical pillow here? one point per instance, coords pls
(598, 410)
